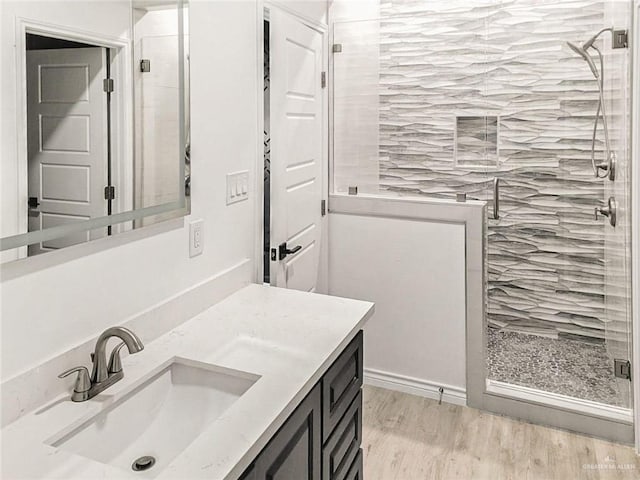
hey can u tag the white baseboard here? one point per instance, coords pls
(415, 386)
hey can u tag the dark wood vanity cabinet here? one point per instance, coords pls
(321, 439)
(343, 446)
(293, 452)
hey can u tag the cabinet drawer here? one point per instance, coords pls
(356, 472)
(343, 446)
(340, 385)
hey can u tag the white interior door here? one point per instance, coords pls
(296, 115)
(67, 135)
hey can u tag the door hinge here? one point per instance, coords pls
(109, 192)
(337, 48)
(323, 79)
(622, 368)
(323, 207)
(107, 85)
(145, 65)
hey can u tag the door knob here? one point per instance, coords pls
(610, 211)
(283, 251)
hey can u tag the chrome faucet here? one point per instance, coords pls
(103, 375)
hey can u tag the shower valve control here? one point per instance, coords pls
(610, 211)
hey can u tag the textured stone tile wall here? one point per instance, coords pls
(442, 59)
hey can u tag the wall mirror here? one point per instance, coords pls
(102, 122)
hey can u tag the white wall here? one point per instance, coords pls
(414, 271)
(341, 10)
(47, 311)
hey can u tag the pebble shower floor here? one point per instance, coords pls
(558, 365)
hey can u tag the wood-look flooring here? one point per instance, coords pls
(406, 437)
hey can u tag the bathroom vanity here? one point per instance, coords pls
(322, 438)
(264, 384)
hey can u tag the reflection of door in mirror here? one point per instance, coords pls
(101, 143)
(67, 137)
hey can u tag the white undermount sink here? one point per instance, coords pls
(160, 417)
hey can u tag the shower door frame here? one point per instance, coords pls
(536, 405)
(599, 421)
(635, 212)
(539, 406)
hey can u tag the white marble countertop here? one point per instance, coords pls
(292, 338)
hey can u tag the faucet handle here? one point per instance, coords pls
(609, 211)
(83, 382)
(115, 364)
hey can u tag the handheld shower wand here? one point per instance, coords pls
(608, 166)
(580, 50)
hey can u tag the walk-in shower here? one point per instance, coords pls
(441, 98)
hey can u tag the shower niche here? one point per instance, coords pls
(476, 141)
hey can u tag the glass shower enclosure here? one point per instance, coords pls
(486, 99)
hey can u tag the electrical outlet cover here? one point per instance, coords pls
(196, 238)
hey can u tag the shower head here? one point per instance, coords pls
(582, 51)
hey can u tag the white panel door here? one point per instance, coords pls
(296, 151)
(67, 135)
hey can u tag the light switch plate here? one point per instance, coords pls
(196, 238)
(237, 186)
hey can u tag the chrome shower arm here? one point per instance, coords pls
(589, 43)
